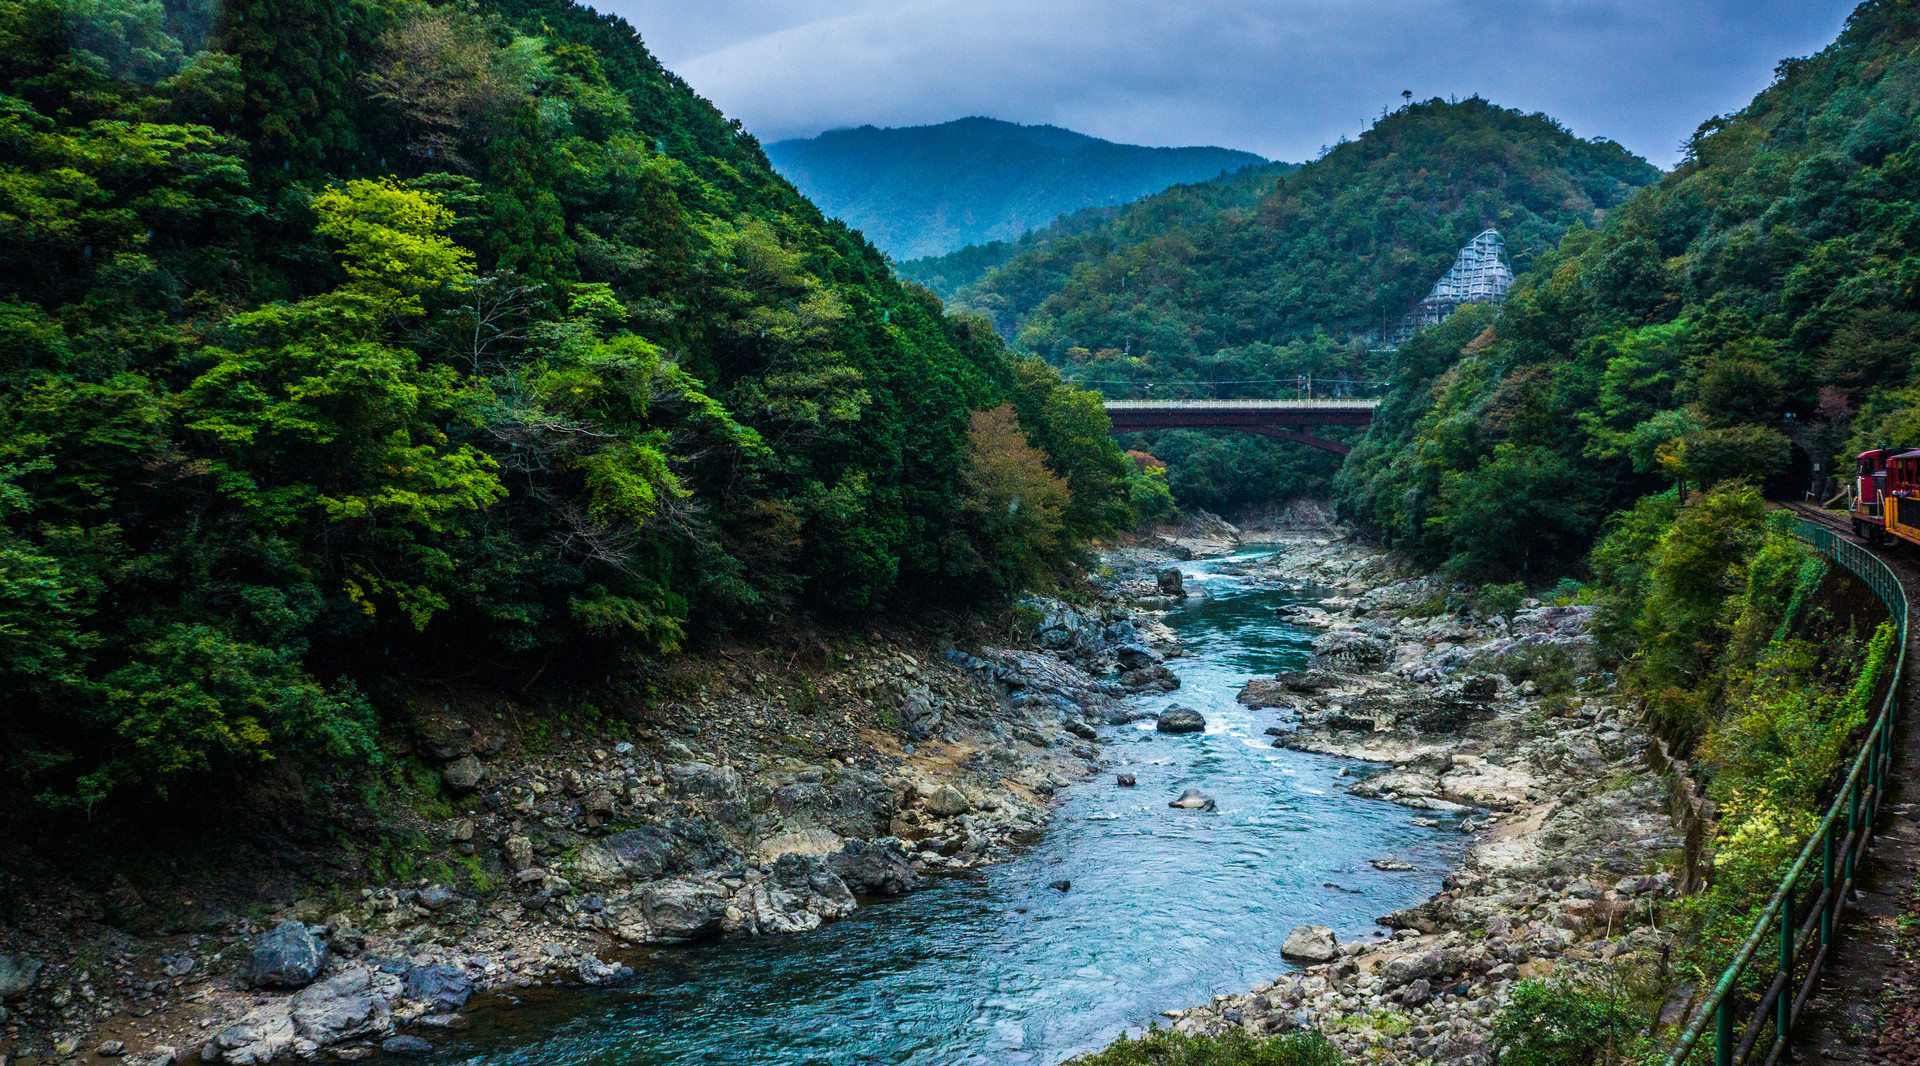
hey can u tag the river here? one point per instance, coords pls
(1166, 907)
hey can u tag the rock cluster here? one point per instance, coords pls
(1570, 827)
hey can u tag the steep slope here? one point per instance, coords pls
(928, 190)
(1341, 244)
(352, 340)
(1270, 276)
(1752, 315)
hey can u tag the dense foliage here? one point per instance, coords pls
(1160, 1047)
(1195, 282)
(359, 336)
(928, 190)
(1559, 1023)
(1236, 288)
(1751, 315)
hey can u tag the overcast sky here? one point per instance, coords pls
(1279, 77)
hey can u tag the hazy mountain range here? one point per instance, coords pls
(928, 190)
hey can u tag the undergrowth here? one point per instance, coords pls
(1160, 1047)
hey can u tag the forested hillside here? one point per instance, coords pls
(1760, 298)
(1272, 276)
(928, 190)
(353, 339)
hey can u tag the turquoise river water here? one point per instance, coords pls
(1167, 907)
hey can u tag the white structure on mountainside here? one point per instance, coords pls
(1480, 275)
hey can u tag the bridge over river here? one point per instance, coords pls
(1285, 419)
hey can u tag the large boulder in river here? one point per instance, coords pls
(1178, 719)
(286, 956)
(1171, 582)
(1260, 693)
(1156, 678)
(1310, 943)
(1193, 800)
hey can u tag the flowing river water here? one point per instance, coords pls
(1166, 907)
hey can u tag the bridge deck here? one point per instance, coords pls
(1242, 405)
(1284, 419)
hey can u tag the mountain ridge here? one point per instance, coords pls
(917, 191)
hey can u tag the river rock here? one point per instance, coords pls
(464, 774)
(875, 867)
(17, 974)
(1181, 720)
(1347, 649)
(1060, 886)
(1060, 626)
(405, 1045)
(944, 801)
(519, 853)
(1124, 780)
(1149, 679)
(260, 1036)
(286, 956)
(352, 1004)
(1308, 682)
(1193, 800)
(441, 989)
(1137, 656)
(647, 853)
(446, 735)
(919, 715)
(591, 971)
(682, 909)
(1310, 943)
(1260, 693)
(1171, 582)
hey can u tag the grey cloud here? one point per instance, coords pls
(1278, 77)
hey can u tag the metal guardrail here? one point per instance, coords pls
(1803, 929)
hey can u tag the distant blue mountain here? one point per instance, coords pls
(928, 190)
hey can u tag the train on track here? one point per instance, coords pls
(1884, 496)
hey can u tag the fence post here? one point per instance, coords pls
(1826, 886)
(1723, 1034)
(1783, 1006)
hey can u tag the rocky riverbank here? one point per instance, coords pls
(751, 791)
(1514, 736)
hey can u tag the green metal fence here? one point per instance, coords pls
(1792, 937)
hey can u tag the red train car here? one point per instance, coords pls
(1869, 493)
(1886, 495)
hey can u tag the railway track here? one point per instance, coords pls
(1859, 1012)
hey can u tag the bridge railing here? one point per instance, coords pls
(1304, 387)
(1236, 405)
(1788, 947)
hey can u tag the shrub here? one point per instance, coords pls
(1158, 1047)
(1565, 1024)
